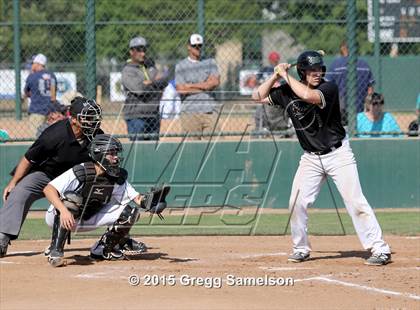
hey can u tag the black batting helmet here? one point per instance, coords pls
(308, 60)
(88, 114)
(106, 150)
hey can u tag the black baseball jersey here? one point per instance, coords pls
(318, 128)
(57, 150)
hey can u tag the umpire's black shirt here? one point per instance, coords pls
(318, 128)
(57, 150)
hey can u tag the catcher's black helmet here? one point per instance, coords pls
(88, 114)
(308, 60)
(106, 151)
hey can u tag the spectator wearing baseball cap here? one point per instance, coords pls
(143, 87)
(195, 78)
(40, 87)
(40, 59)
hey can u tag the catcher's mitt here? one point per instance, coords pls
(154, 200)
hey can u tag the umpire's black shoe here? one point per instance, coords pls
(4, 243)
(132, 247)
(378, 259)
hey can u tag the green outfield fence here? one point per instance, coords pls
(86, 43)
(255, 173)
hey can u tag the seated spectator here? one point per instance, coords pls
(374, 119)
(57, 113)
(4, 136)
(413, 128)
(270, 118)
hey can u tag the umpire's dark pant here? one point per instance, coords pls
(14, 211)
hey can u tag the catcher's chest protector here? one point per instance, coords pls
(95, 190)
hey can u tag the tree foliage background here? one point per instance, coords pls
(57, 27)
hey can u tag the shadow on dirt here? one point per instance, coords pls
(341, 254)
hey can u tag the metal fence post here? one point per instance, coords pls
(377, 47)
(90, 50)
(201, 22)
(16, 51)
(351, 66)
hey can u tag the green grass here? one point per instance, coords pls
(322, 223)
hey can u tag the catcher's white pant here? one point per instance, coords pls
(340, 165)
(105, 217)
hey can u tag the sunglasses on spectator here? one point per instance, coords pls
(376, 99)
(140, 48)
(197, 46)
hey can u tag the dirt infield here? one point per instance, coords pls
(335, 277)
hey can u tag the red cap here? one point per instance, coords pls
(274, 56)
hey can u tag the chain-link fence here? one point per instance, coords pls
(87, 48)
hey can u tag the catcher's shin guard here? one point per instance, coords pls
(58, 239)
(116, 237)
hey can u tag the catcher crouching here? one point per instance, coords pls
(94, 194)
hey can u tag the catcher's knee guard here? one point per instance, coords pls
(116, 236)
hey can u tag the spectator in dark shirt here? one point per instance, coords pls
(41, 88)
(60, 147)
(337, 73)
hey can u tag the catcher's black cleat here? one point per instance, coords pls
(132, 247)
(98, 252)
(113, 255)
(47, 250)
(378, 259)
(56, 258)
(298, 257)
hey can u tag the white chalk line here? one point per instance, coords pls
(284, 268)
(6, 262)
(22, 252)
(414, 238)
(359, 286)
(99, 275)
(262, 255)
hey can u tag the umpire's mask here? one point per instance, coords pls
(88, 114)
(107, 152)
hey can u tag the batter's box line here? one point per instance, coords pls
(329, 280)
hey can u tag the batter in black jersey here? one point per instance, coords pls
(318, 127)
(313, 106)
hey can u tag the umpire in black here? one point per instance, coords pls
(60, 147)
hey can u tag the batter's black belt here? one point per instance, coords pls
(333, 148)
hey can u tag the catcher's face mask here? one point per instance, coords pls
(107, 152)
(90, 118)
